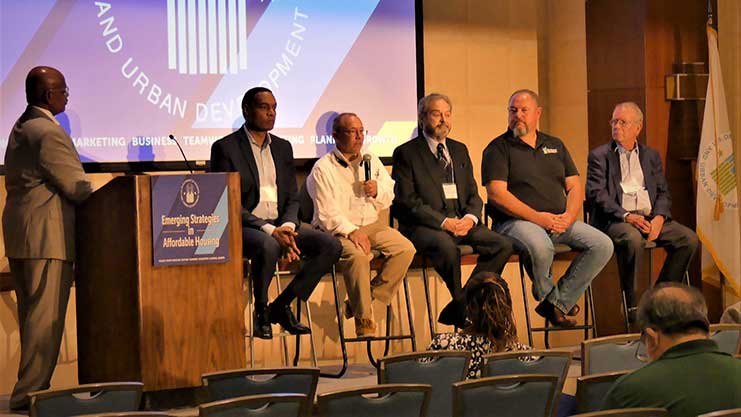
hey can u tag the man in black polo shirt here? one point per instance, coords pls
(535, 197)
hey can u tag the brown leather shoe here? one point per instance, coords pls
(365, 327)
(574, 310)
(554, 315)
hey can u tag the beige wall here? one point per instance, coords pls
(729, 40)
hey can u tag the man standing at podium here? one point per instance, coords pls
(270, 213)
(44, 179)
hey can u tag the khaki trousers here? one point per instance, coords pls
(398, 252)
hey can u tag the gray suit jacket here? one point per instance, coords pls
(43, 178)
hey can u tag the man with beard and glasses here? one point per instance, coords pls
(438, 205)
(270, 213)
(535, 197)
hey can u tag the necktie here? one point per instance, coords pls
(441, 159)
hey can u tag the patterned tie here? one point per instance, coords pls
(441, 159)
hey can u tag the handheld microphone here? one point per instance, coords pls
(367, 166)
(185, 158)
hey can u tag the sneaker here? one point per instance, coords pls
(365, 327)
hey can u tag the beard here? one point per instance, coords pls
(520, 129)
(439, 132)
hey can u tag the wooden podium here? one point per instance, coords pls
(163, 326)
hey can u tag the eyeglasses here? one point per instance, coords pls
(620, 122)
(354, 132)
(64, 90)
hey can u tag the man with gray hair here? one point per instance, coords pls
(630, 201)
(438, 206)
(688, 374)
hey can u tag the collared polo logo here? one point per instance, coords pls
(547, 150)
(189, 193)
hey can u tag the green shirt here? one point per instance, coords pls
(690, 378)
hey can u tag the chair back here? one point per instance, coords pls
(727, 336)
(611, 353)
(242, 382)
(627, 412)
(397, 400)
(268, 405)
(541, 361)
(591, 390)
(439, 369)
(736, 412)
(86, 399)
(505, 396)
(130, 414)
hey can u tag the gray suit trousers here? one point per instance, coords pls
(42, 288)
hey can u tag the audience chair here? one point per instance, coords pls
(505, 396)
(736, 412)
(727, 336)
(562, 252)
(306, 214)
(591, 390)
(268, 405)
(282, 268)
(241, 382)
(397, 400)
(86, 399)
(612, 353)
(439, 369)
(627, 412)
(553, 362)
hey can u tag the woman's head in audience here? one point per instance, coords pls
(489, 309)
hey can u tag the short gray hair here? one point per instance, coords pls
(338, 119)
(633, 106)
(426, 100)
(673, 309)
(529, 92)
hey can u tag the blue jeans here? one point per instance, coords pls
(536, 247)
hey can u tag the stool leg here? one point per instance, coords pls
(250, 325)
(426, 282)
(410, 319)
(311, 337)
(527, 308)
(625, 311)
(285, 343)
(340, 328)
(593, 313)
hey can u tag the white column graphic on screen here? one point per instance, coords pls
(207, 36)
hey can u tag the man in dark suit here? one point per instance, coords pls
(630, 201)
(438, 205)
(270, 213)
(44, 180)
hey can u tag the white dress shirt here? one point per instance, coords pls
(340, 205)
(632, 182)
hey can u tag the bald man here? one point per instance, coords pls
(44, 180)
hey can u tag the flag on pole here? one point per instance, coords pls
(717, 188)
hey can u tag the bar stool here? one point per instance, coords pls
(282, 268)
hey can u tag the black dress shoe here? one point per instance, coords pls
(261, 324)
(19, 409)
(282, 314)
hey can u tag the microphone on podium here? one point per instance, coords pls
(367, 166)
(185, 158)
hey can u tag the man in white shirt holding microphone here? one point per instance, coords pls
(349, 189)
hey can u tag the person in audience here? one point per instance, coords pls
(44, 180)
(270, 213)
(535, 197)
(438, 205)
(630, 201)
(491, 327)
(688, 374)
(347, 205)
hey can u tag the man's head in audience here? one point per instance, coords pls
(489, 308)
(670, 314)
(348, 133)
(259, 108)
(434, 112)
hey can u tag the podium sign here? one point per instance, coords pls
(189, 219)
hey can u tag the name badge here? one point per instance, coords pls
(268, 194)
(450, 190)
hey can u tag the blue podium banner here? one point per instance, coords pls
(190, 214)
